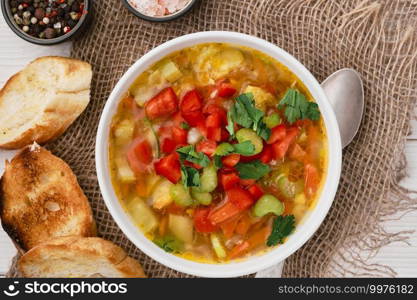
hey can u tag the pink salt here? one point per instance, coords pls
(158, 8)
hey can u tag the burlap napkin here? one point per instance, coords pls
(377, 38)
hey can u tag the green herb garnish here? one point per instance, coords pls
(217, 160)
(184, 125)
(245, 148)
(190, 176)
(188, 153)
(297, 107)
(282, 227)
(252, 170)
(169, 244)
(244, 113)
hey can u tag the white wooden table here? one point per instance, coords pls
(16, 53)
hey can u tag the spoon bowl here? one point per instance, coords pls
(344, 89)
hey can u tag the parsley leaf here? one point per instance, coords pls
(217, 161)
(282, 227)
(188, 153)
(297, 107)
(184, 125)
(245, 113)
(169, 244)
(190, 176)
(252, 170)
(245, 148)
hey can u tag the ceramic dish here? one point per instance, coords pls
(310, 222)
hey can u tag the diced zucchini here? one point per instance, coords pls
(217, 246)
(170, 71)
(161, 196)
(262, 98)
(124, 172)
(143, 215)
(181, 195)
(246, 134)
(289, 188)
(268, 204)
(202, 198)
(208, 179)
(181, 227)
(123, 131)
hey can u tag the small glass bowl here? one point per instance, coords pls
(81, 25)
(170, 17)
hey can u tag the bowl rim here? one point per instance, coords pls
(8, 16)
(167, 18)
(255, 263)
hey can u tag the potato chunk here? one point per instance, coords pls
(263, 99)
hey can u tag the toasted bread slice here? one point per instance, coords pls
(78, 257)
(40, 199)
(40, 102)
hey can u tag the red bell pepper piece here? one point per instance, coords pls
(163, 104)
(280, 148)
(191, 107)
(214, 134)
(207, 147)
(277, 133)
(179, 135)
(202, 222)
(168, 145)
(240, 197)
(266, 154)
(225, 89)
(169, 167)
(256, 191)
(229, 180)
(230, 160)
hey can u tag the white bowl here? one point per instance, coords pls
(311, 221)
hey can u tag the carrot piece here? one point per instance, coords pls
(163, 225)
(226, 211)
(243, 225)
(228, 227)
(297, 153)
(312, 179)
(239, 250)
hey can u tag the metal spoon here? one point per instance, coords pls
(344, 89)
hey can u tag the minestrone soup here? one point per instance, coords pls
(217, 152)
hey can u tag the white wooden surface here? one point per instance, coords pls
(16, 53)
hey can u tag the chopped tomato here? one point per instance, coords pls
(163, 104)
(218, 110)
(229, 180)
(169, 167)
(224, 136)
(277, 133)
(207, 147)
(223, 213)
(202, 222)
(256, 191)
(225, 89)
(179, 135)
(191, 107)
(214, 134)
(280, 148)
(250, 158)
(214, 120)
(312, 178)
(168, 145)
(266, 154)
(239, 197)
(231, 160)
(201, 126)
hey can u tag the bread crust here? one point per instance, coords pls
(69, 96)
(40, 198)
(80, 251)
